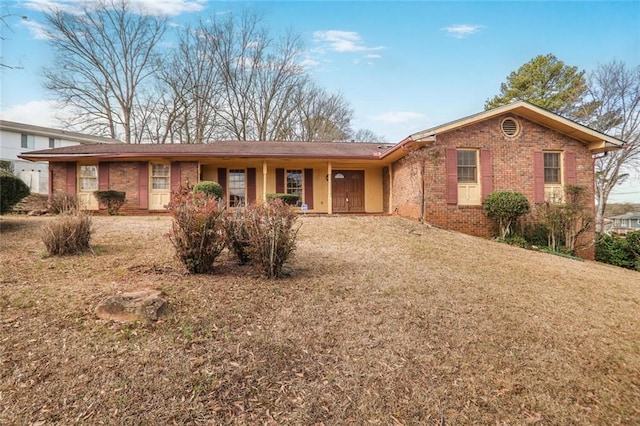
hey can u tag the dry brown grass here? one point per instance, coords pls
(382, 321)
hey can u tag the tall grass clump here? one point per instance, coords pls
(197, 230)
(272, 235)
(68, 233)
(63, 203)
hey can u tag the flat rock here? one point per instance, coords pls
(141, 305)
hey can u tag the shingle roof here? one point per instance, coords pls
(237, 149)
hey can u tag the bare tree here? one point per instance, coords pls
(103, 57)
(367, 135)
(317, 116)
(615, 90)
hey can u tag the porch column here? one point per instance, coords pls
(329, 190)
(264, 180)
(390, 188)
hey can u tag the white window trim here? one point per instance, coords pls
(470, 193)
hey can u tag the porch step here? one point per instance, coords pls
(31, 204)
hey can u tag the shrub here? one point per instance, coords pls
(518, 241)
(289, 199)
(212, 189)
(7, 165)
(614, 251)
(504, 208)
(113, 200)
(63, 203)
(272, 235)
(237, 234)
(197, 229)
(566, 221)
(69, 233)
(536, 234)
(12, 190)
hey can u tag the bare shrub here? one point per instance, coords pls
(237, 234)
(67, 234)
(198, 229)
(272, 235)
(63, 203)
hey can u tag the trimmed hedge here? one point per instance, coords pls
(112, 199)
(209, 188)
(12, 190)
(288, 199)
(504, 208)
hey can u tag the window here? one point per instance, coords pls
(468, 181)
(467, 166)
(294, 183)
(160, 176)
(52, 143)
(552, 168)
(27, 141)
(88, 177)
(237, 188)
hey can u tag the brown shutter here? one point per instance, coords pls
(308, 188)
(175, 176)
(143, 185)
(486, 166)
(71, 182)
(103, 176)
(570, 168)
(222, 180)
(280, 181)
(251, 185)
(451, 166)
(538, 177)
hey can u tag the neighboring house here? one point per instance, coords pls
(625, 223)
(442, 174)
(17, 138)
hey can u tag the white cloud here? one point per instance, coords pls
(309, 62)
(39, 113)
(372, 56)
(461, 31)
(343, 41)
(393, 117)
(37, 30)
(147, 7)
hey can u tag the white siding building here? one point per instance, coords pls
(17, 138)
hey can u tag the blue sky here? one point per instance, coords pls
(403, 66)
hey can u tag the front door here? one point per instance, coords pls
(347, 188)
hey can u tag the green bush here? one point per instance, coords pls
(6, 165)
(615, 251)
(197, 230)
(212, 189)
(113, 200)
(12, 190)
(272, 235)
(69, 233)
(237, 234)
(504, 208)
(288, 199)
(63, 203)
(536, 234)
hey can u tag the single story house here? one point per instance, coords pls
(625, 223)
(17, 138)
(441, 174)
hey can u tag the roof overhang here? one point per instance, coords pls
(596, 142)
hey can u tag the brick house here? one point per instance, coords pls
(441, 174)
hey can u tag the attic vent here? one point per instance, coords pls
(510, 127)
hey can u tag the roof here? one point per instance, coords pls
(596, 141)
(630, 215)
(219, 149)
(49, 132)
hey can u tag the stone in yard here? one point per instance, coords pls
(142, 305)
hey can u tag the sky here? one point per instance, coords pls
(404, 66)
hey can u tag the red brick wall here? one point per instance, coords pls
(512, 170)
(123, 176)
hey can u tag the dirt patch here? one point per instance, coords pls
(381, 321)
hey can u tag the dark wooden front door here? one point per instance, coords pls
(347, 188)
